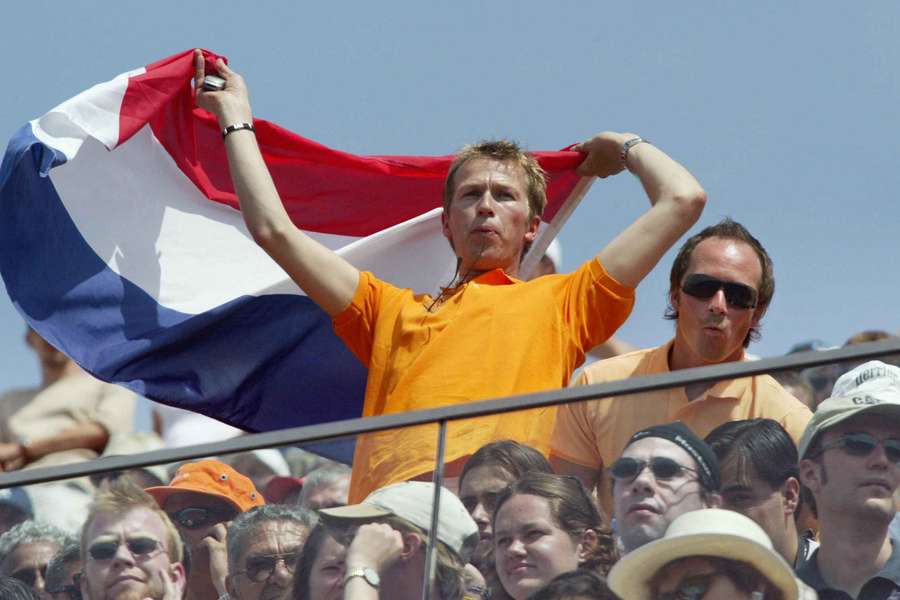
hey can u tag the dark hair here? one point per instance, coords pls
(511, 456)
(731, 230)
(744, 576)
(13, 589)
(300, 585)
(575, 584)
(573, 509)
(763, 443)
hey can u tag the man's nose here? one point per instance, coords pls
(480, 514)
(485, 203)
(281, 575)
(718, 304)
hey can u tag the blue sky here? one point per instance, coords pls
(785, 112)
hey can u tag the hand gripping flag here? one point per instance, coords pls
(122, 244)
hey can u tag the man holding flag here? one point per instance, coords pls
(487, 334)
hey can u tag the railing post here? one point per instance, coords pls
(438, 480)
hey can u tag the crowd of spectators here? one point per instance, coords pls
(741, 513)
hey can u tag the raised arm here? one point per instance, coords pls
(676, 200)
(327, 279)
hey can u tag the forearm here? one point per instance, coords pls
(676, 199)
(327, 279)
(91, 435)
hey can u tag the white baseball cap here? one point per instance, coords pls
(872, 387)
(412, 500)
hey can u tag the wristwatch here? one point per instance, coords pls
(367, 573)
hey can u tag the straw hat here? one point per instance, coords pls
(707, 532)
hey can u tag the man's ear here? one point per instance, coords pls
(790, 493)
(810, 474)
(445, 228)
(412, 543)
(758, 313)
(713, 500)
(533, 225)
(586, 545)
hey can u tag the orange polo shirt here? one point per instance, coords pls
(495, 336)
(594, 433)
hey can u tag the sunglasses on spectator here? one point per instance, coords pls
(703, 286)
(28, 576)
(692, 587)
(627, 468)
(259, 568)
(194, 518)
(863, 444)
(138, 546)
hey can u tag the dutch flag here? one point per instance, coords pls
(121, 243)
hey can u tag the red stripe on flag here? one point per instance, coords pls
(324, 190)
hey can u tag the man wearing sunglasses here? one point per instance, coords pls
(721, 284)
(25, 551)
(850, 463)
(664, 471)
(263, 546)
(129, 547)
(202, 499)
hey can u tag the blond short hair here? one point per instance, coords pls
(121, 495)
(508, 152)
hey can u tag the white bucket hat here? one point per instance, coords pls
(708, 532)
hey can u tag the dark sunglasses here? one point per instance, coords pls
(863, 444)
(260, 568)
(194, 518)
(692, 587)
(627, 468)
(28, 576)
(138, 546)
(703, 286)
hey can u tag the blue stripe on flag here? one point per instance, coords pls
(260, 363)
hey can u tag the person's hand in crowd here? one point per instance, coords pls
(169, 590)
(230, 105)
(216, 546)
(375, 545)
(604, 154)
(12, 456)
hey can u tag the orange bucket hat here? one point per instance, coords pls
(213, 478)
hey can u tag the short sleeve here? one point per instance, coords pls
(595, 305)
(574, 438)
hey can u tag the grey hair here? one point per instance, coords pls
(56, 568)
(322, 477)
(28, 532)
(248, 521)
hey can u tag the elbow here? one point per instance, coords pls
(267, 236)
(690, 203)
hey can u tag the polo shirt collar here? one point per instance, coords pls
(728, 388)
(495, 277)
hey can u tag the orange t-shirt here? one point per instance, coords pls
(594, 433)
(494, 337)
